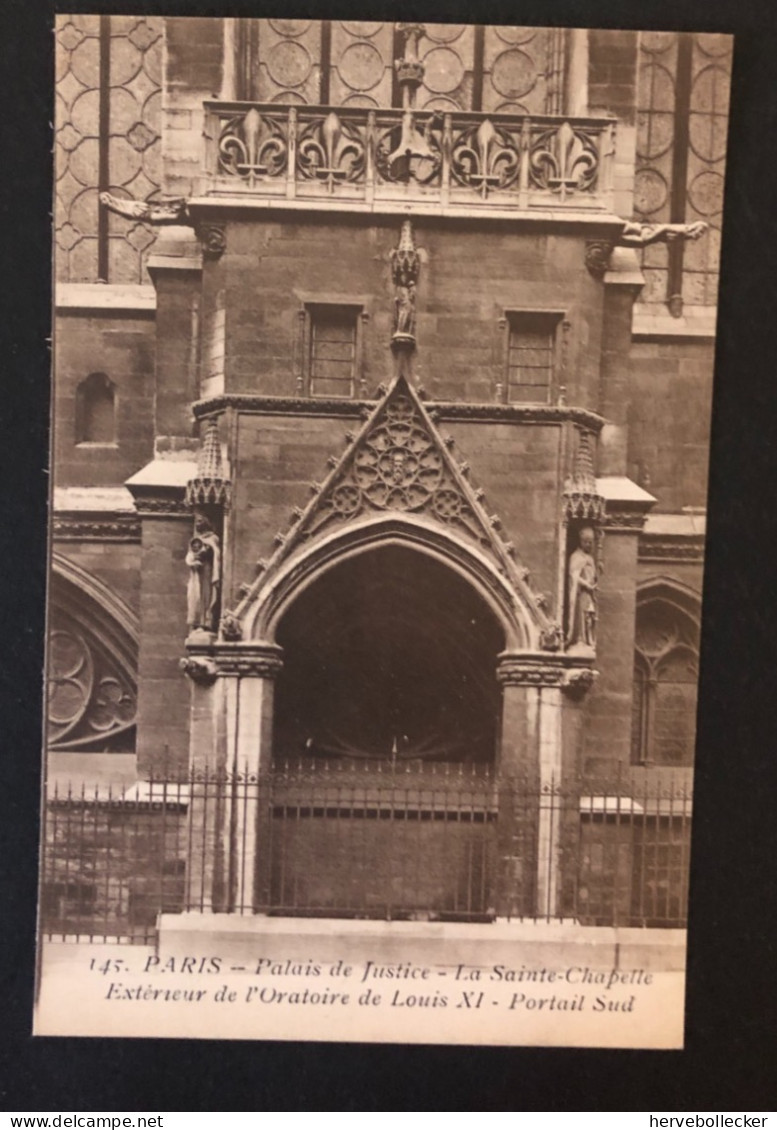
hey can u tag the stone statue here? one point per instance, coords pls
(404, 313)
(582, 594)
(405, 268)
(204, 584)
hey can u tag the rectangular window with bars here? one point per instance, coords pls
(333, 350)
(530, 356)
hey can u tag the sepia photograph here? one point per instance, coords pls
(382, 382)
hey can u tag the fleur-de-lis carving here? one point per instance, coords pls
(485, 158)
(252, 147)
(331, 151)
(564, 160)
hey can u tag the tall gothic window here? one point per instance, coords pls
(682, 103)
(108, 126)
(665, 681)
(351, 63)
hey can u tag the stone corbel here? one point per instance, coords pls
(578, 681)
(213, 238)
(597, 256)
(200, 668)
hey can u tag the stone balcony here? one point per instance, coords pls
(355, 159)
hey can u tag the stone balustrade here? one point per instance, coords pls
(451, 162)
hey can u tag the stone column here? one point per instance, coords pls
(207, 833)
(529, 766)
(538, 792)
(163, 699)
(251, 669)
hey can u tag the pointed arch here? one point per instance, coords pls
(666, 664)
(664, 587)
(517, 620)
(398, 478)
(91, 662)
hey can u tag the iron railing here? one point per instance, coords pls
(449, 160)
(411, 841)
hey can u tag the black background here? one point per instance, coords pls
(729, 1062)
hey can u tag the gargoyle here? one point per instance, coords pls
(173, 211)
(636, 234)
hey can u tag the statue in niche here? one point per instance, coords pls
(203, 588)
(404, 314)
(583, 577)
(405, 268)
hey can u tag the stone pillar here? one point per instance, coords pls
(538, 793)
(251, 669)
(622, 283)
(163, 698)
(209, 809)
(231, 751)
(608, 729)
(529, 762)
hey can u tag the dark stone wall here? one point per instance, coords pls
(178, 302)
(518, 468)
(607, 733)
(469, 277)
(669, 419)
(163, 691)
(277, 458)
(122, 346)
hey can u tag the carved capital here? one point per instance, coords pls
(597, 257)
(249, 660)
(528, 671)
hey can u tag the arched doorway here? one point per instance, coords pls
(389, 656)
(386, 722)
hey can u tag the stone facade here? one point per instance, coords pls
(542, 395)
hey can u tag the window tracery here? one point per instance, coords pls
(665, 682)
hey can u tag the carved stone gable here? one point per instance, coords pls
(400, 464)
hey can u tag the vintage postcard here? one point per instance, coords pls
(382, 382)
